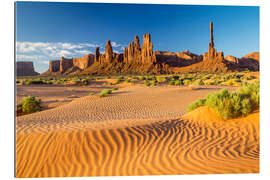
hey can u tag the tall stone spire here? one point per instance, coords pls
(211, 35)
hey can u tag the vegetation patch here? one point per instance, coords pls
(231, 105)
(29, 105)
(105, 92)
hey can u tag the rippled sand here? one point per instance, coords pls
(135, 131)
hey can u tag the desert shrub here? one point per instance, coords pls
(117, 81)
(141, 78)
(30, 105)
(85, 81)
(178, 83)
(198, 82)
(147, 83)
(161, 79)
(175, 77)
(172, 83)
(209, 82)
(231, 105)
(120, 77)
(153, 82)
(104, 92)
(196, 104)
(128, 80)
(34, 82)
(114, 88)
(91, 94)
(187, 82)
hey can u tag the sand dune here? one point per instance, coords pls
(89, 142)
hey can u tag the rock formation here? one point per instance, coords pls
(213, 61)
(83, 62)
(96, 57)
(232, 59)
(250, 61)
(25, 68)
(147, 50)
(65, 64)
(54, 66)
(178, 59)
(108, 52)
(141, 59)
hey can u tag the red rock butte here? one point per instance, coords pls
(141, 59)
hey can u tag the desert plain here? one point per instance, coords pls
(135, 130)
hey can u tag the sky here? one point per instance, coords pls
(48, 30)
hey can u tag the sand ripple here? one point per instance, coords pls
(193, 144)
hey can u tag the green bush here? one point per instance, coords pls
(104, 92)
(187, 82)
(172, 83)
(153, 82)
(141, 78)
(30, 105)
(231, 105)
(91, 94)
(34, 82)
(198, 82)
(114, 88)
(118, 81)
(178, 83)
(147, 83)
(161, 79)
(128, 80)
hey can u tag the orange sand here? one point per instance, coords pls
(53, 144)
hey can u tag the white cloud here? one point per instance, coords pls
(41, 52)
(44, 62)
(114, 44)
(83, 52)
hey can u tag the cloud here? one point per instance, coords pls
(114, 44)
(41, 52)
(44, 62)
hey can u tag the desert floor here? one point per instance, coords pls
(136, 130)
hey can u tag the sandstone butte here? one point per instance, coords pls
(141, 59)
(25, 68)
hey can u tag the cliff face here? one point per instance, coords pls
(66, 66)
(84, 61)
(25, 68)
(251, 61)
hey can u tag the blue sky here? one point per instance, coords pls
(46, 31)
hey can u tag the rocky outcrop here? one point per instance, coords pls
(251, 61)
(148, 56)
(65, 64)
(25, 68)
(54, 66)
(83, 62)
(178, 59)
(141, 59)
(232, 59)
(213, 61)
(97, 53)
(108, 52)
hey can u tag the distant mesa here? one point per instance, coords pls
(141, 59)
(25, 68)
